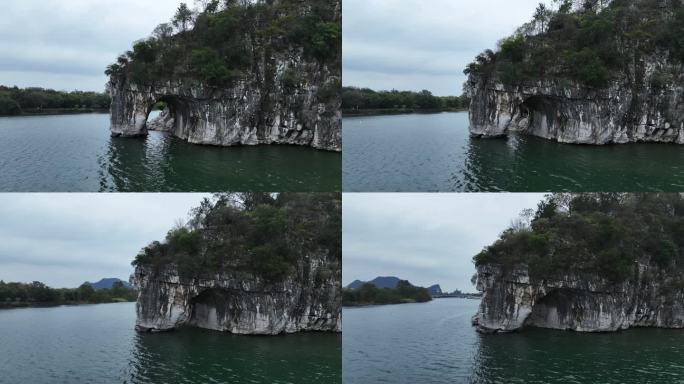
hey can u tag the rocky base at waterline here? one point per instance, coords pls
(235, 302)
(578, 302)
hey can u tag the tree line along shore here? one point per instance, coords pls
(37, 294)
(369, 294)
(365, 101)
(16, 101)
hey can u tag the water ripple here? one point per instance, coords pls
(74, 153)
(415, 153)
(435, 343)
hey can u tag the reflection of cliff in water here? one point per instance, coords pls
(548, 356)
(193, 355)
(525, 163)
(139, 164)
(163, 163)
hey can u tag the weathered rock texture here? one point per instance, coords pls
(584, 303)
(278, 102)
(632, 109)
(240, 303)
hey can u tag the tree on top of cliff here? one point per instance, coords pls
(591, 42)
(182, 17)
(601, 233)
(223, 41)
(264, 234)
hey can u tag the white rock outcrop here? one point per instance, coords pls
(630, 110)
(241, 303)
(264, 107)
(513, 300)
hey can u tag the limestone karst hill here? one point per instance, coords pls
(590, 72)
(247, 264)
(587, 263)
(237, 73)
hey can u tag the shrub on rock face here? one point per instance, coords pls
(325, 39)
(588, 68)
(210, 68)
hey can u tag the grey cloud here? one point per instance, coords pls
(425, 238)
(423, 44)
(65, 239)
(67, 44)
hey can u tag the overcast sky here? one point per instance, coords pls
(64, 240)
(423, 44)
(424, 238)
(67, 44)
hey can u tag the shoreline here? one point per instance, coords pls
(24, 304)
(58, 112)
(367, 305)
(389, 112)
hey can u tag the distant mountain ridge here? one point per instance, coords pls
(390, 282)
(107, 283)
(380, 282)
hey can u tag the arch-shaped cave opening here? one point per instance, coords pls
(212, 308)
(171, 108)
(559, 308)
(536, 112)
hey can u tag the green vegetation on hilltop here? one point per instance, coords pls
(218, 43)
(364, 99)
(259, 233)
(604, 234)
(589, 41)
(37, 293)
(17, 101)
(369, 294)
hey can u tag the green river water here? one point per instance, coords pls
(98, 344)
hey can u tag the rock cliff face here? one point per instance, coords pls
(239, 303)
(584, 303)
(281, 101)
(632, 109)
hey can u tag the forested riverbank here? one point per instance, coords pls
(369, 294)
(16, 101)
(367, 102)
(37, 294)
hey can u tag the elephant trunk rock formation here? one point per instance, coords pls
(630, 110)
(267, 108)
(237, 303)
(583, 303)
